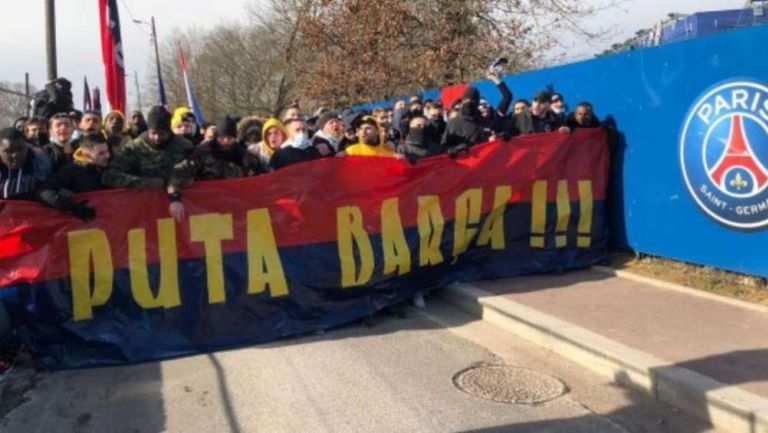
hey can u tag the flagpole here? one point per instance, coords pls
(138, 93)
(160, 87)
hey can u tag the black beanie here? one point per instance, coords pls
(226, 126)
(471, 94)
(325, 117)
(159, 118)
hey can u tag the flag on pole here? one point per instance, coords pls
(87, 103)
(188, 85)
(112, 54)
(97, 99)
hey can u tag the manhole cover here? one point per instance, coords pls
(509, 384)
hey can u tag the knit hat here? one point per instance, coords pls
(350, 119)
(543, 96)
(325, 118)
(159, 118)
(226, 126)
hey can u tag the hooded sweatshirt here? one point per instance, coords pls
(22, 183)
(259, 154)
(465, 130)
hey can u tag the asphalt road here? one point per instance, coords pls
(394, 377)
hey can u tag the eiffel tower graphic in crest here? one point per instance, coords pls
(738, 154)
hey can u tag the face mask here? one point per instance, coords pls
(558, 110)
(300, 141)
(415, 137)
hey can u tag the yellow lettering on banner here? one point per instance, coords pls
(351, 233)
(563, 214)
(493, 228)
(264, 265)
(430, 222)
(397, 255)
(538, 213)
(168, 291)
(586, 205)
(211, 229)
(88, 247)
(468, 210)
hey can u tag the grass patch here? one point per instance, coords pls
(740, 286)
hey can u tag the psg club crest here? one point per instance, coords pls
(724, 153)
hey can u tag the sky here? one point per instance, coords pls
(22, 33)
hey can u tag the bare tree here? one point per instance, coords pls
(13, 103)
(340, 52)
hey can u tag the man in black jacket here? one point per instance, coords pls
(536, 120)
(298, 148)
(83, 174)
(465, 130)
(22, 168)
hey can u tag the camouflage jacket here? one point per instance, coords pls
(140, 161)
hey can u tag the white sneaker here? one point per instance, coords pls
(418, 300)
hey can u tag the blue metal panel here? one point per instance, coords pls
(648, 93)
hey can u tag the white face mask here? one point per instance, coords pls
(299, 141)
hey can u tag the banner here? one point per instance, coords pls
(308, 247)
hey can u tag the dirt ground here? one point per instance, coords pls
(740, 286)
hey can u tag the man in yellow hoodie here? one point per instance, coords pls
(257, 158)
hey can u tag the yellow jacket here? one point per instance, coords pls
(360, 149)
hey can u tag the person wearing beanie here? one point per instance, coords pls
(219, 158)
(330, 133)
(368, 142)
(422, 140)
(466, 129)
(153, 160)
(116, 131)
(539, 118)
(184, 124)
(259, 154)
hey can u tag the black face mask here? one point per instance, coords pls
(416, 137)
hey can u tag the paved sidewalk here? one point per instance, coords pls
(726, 342)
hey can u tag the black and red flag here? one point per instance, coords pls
(112, 53)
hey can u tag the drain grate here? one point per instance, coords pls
(508, 384)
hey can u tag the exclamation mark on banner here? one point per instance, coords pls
(538, 213)
(584, 240)
(563, 214)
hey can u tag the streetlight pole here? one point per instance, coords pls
(50, 38)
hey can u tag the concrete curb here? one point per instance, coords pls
(726, 407)
(680, 288)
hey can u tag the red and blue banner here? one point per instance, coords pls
(309, 247)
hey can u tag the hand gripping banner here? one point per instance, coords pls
(306, 248)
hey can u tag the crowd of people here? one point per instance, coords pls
(53, 156)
